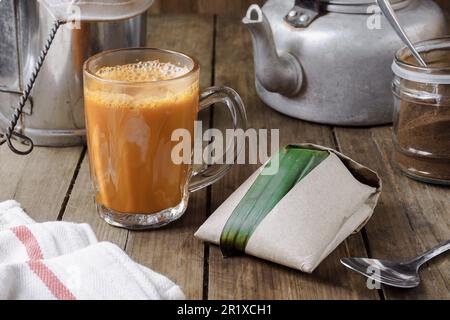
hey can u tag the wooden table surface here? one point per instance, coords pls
(411, 217)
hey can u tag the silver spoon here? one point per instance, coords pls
(397, 274)
(390, 15)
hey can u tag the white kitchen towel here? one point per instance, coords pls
(11, 215)
(61, 260)
(100, 271)
(48, 240)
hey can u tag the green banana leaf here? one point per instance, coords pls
(295, 163)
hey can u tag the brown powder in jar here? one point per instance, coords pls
(423, 140)
(422, 131)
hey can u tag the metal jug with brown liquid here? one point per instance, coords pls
(52, 114)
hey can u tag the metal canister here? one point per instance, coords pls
(54, 115)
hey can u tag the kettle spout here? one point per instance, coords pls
(276, 73)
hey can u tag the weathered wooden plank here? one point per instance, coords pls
(173, 250)
(236, 8)
(38, 181)
(81, 208)
(411, 217)
(246, 277)
(229, 7)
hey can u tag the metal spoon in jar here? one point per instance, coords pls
(397, 274)
(390, 15)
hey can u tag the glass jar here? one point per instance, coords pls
(422, 112)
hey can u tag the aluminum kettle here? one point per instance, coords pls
(328, 61)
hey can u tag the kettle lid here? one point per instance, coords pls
(358, 6)
(303, 13)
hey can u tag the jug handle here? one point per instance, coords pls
(7, 136)
(233, 102)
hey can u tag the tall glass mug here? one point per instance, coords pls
(135, 99)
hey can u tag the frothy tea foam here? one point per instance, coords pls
(136, 98)
(142, 71)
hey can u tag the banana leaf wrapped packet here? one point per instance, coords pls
(296, 209)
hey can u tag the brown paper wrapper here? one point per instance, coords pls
(334, 200)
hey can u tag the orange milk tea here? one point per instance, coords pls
(130, 133)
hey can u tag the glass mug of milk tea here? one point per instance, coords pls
(134, 100)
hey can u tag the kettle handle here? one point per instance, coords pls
(7, 136)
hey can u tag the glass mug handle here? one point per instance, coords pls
(231, 99)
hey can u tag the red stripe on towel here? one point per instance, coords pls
(51, 281)
(56, 287)
(29, 241)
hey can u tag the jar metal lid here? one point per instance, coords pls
(432, 75)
